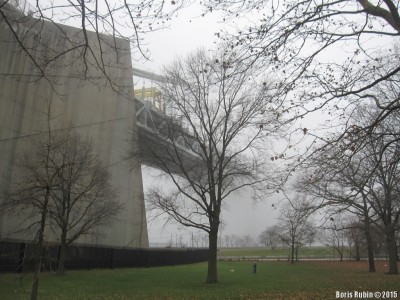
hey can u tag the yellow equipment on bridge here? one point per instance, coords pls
(152, 95)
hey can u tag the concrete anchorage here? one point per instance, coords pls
(80, 96)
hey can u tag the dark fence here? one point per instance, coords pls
(18, 257)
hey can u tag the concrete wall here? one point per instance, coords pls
(69, 80)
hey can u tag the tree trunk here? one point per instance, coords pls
(62, 253)
(292, 250)
(212, 255)
(39, 248)
(357, 256)
(392, 249)
(370, 247)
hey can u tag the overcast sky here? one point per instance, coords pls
(188, 31)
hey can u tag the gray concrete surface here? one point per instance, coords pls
(75, 87)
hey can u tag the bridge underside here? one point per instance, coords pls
(163, 144)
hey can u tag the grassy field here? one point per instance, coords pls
(284, 252)
(274, 280)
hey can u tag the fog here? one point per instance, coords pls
(240, 216)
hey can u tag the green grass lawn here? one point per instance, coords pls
(274, 280)
(284, 252)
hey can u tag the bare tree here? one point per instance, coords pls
(339, 185)
(381, 173)
(293, 220)
(327, 54)
(364, 183)
(83, 198)
(271, 237)
(354, 235)
(31, 193)
(296, 39)
(335, 235)
(246, 241)
(60, 179)
(216, 141)
(384, 192)
(358, 242)
(228, 240)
